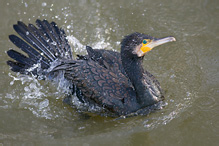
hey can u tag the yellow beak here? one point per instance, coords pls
(154, 43)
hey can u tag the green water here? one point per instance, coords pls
(32, 112)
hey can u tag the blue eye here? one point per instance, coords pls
(144, 42)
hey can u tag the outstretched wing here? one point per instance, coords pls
(42, 44)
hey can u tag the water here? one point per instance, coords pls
(32, 112)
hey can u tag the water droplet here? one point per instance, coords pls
(54, 43)
(188, 94)
(12, 82)
(26, 5)
(172, 76)
(69, 26)
(44, 4)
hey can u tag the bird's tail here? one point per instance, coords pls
(42, 45)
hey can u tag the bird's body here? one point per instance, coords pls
(112, 80)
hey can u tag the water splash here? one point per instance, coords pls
(76, 44)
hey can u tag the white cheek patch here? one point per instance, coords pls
(138, 51)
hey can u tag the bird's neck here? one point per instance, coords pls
(134, 70)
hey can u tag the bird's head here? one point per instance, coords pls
(138, 44)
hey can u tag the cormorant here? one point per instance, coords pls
(115, 81)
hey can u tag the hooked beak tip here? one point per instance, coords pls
(173, 39)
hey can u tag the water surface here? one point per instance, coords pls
(32, 112)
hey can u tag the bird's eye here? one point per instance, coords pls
(144, 42)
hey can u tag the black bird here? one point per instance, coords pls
(115, 81)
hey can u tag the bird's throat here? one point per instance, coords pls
(135, 72)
